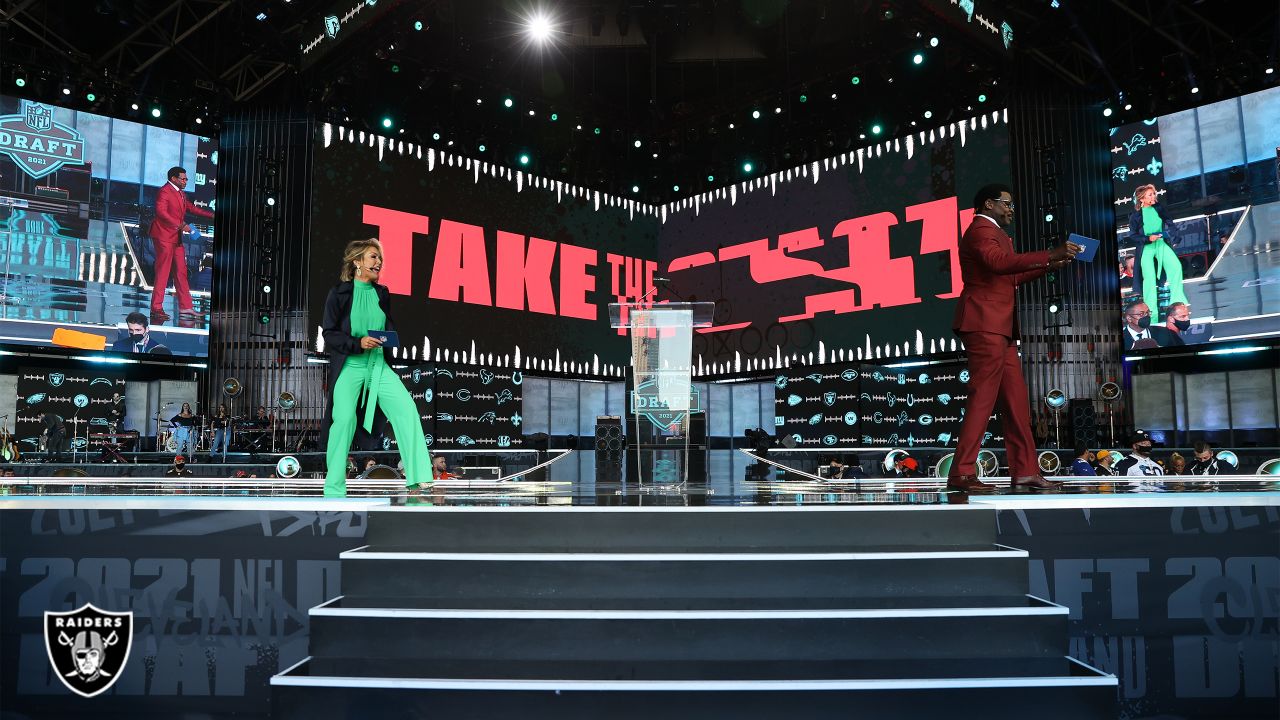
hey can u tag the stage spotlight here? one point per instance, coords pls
(508, 102)
(271, 202)
(1195, 89)
(777, 111)
(675, 188)
(155, 112)
(417, 25)
(875, 129)
(538, 26)
(532, 113)
(596, 131)
(386, 122)
(264, 316)
(982, 98)
(435, 136)
(862, 136)
(133, 106)
(933, 42)
(91, 97)
(917, 59)
(1048, 217)
(199, 121)
(20, 81)
(266, 288)
(804, 98)
(747, 167)
(755, 114)
(732, 126)
(855, 80)
(1106, 112)
(479, 101)
(482, 147)
(711, 178)
(66, 91)
(554, 117)
(637, 143)
(635, 188)
(1270, 70)
(928, 114)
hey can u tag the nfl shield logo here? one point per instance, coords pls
(55, 379)
(88, 647)
(417, 376)
(38, 117)
(829, 398)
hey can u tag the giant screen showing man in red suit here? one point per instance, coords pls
(172, 208)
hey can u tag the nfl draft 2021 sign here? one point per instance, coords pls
(36, 143)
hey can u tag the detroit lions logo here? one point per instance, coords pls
(1138, 140)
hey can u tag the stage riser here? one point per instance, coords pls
(679, 531)
(1047, 703)
(709, 640)
(611, 584)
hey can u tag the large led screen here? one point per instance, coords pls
(91, 222)
(1198, 219)
(852, 257)
(485, 265)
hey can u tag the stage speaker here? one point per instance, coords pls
(609, 433)
(1084, 423)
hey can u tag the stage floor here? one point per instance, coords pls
(567, 478)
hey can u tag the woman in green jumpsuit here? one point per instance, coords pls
(1156, 257)
(360, 379)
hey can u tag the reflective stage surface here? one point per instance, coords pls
(718, 478)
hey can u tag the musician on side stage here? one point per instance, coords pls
(184, 424)
(360, 380)
(221, 422)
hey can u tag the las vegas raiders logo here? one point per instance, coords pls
(88, 647)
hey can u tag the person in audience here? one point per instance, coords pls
(1138, 332)
(1206, 462)
(1082, 464)
(367, 463)
(439, 469)
(1106, 459)
(835, 469)
(1177, 465)
(907, 467)
(139, 338)
(1139, 463)
(853, 469)
(179, 468)
(1178, 320)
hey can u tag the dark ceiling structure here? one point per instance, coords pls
(657, 95)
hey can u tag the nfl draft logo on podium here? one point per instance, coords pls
(88, 647)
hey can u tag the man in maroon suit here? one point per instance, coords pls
(172, 207)
(986, 321)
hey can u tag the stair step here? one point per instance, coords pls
(1078, 692)
(821, 528)
(513, 580)
(1033, 629)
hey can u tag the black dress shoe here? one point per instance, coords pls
(1037, 482)
(968, 483)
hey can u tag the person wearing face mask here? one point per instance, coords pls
(360, 380)
(1178, 323)
(139, 338)
(1139, 334)
(1206, 462)
(1140, 464)
(179, 468)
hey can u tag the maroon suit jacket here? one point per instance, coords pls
(992, 271)
(172, 207)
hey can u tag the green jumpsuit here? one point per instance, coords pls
(367, 377)
(1159, 257)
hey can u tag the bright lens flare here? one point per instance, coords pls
(538, 26)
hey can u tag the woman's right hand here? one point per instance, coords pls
(1153, 238)
(369, 343)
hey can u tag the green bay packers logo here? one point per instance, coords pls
(36, 143)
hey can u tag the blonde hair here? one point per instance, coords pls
(1137, 193)
(356, 250)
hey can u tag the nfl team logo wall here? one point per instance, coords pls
(37, 144)
(88, 647)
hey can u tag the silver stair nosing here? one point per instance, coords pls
(363, 553)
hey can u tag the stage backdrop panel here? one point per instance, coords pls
(848, 258)
(817, 408)
(918, 406)
(81, 397)
(486, 265)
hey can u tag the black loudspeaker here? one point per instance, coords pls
(1084, 423)
(609, 433)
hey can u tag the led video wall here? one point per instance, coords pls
(467, 406)
(1197, 215)
(851, 257)
(84, 404)
(485, 264)
(91, 223)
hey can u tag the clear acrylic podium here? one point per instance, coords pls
(662, 371)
